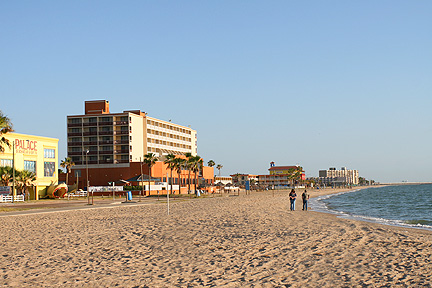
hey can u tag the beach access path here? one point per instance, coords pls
(231, 241)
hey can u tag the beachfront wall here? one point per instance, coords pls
(36, 154)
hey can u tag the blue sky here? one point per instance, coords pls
(316, 83)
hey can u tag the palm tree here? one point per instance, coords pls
(178, 166)
(150, 159)
(6, 175)
(219, 167)
(169, 161)
(211, 163)
(196, 165)
(25, 179)
(5, 127)
(67, 163)
(188, 165)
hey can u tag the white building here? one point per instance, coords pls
(339, 177)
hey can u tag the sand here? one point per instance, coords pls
(246, 241)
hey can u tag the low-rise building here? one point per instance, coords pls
(282, 176)
(240, 179)
(36, 154)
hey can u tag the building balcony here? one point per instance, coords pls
(121, 161)
(74, 143)
(92, 162)
(105, 132)
(106, 123)
(74, 134)
(74, 125)
(90, 143)
(120, 132)
(123, 151)
(106, 161)
(106, 152)
(75, 153)
(79, 162)
(121, 142)
(120, 123)
(90, 133)
(106, 142)
(90, 124)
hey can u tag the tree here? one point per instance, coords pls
(25, 179)
(150, 159)
(67, 163)
(196, 164)
(211, 163)
(6, 175)
(5, 127)
(178, 166)
(219, 167)
(169, 161)
(188, 165)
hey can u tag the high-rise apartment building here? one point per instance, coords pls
(117, 142)
(115, 139)
(339, 177)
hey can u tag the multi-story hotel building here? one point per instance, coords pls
(36, 154)
(339, 177)
(111, 145)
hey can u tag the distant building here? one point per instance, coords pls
(223, 179)
(280, 176)
(240, 179)
(339, 177)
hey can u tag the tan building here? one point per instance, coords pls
(111, 145)
(339, 177)
(120, 138)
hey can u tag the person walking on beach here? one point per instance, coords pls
(305, 198)
(292, 197)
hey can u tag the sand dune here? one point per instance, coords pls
(246, 241)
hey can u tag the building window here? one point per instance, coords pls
(30, 166)
(49, 169)
(6, 162)
(49, 153)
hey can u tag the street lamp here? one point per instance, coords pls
(88, 198)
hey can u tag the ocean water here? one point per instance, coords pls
(402, 205)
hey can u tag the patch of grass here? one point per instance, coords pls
(12, 209)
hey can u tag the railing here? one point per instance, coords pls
(75, 143)
(105, 123)
(106, 142)
(75, 153)
(106, 152)
(121, 151)
(105, 132)
(74, 134)
(120, 132)
(89, 133)
(18, 198)
(74, 124)
(121, 142)
(90, 124)
(121, 122)
(90, 143)
(120, 161)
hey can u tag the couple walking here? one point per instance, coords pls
(293, 196)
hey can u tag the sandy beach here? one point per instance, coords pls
(231, 241)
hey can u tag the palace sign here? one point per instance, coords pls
(26, 146)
